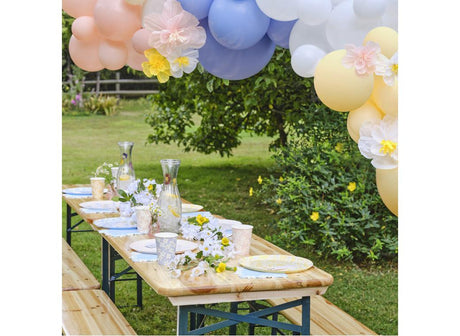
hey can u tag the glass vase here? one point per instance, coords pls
(125, 173)
(169, 201)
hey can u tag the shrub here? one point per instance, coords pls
(87, 104)
(316, 171)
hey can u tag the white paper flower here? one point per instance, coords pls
(388, 68)
(379, 141)
(185, 63)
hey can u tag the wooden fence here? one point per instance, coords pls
(117, 84)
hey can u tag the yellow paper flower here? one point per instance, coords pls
(251, 191)
(281, 179)
(314, 216)
(221, 267)
(259, 180)
(351, 186)
(279, 201)
(157, 65)
(225, 241)
(201, 220)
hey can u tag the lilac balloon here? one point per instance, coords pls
(199, 8)
(237, 24)
(279, 32)
(234, 64)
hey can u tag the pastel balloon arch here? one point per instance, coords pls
(349, 47)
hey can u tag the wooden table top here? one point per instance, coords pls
(211, 283)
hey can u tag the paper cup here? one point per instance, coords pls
(166, 247)
(242, 235)
(97, 187)
(143, 218)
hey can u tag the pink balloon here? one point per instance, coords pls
(135, 59)
(141, 40)
(116, 19)
(76, 8)
(84, 28)
(113, 55)
(85, 54)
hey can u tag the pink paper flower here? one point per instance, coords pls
(362, 58)
(174, 30)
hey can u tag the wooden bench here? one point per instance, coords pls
(75, 274)
(91, 312)
(325, 319)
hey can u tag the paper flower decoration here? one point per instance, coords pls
(157, 65)
(363, 58)
(388, 68)
(187, 62)
(174, 30)
(379, 141)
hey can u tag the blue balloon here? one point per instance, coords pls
(234, 64)
(199, 8)
(237, 24)
(279, 32)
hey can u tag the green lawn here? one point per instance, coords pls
(220, 184)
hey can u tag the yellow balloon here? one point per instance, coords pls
(340, 88)
(386, 37)
(387, 185)
(367, 112)
(385, 97)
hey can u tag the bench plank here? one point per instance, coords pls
(75, 274)
(91, 312)
(326, 318)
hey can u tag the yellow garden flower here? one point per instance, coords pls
(150, 187)
(351, 186)
(157, 65)
(251, 191)
(225, 241)
(281, 179)
(259, 180)
(221, 267)
(279, 201)
(339, 147)
(314, 216)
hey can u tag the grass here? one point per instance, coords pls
(368, 293)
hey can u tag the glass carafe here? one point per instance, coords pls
(125, 170)
(169, 201)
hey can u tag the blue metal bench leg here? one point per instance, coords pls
(305, 315)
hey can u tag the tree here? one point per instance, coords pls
(276, 102)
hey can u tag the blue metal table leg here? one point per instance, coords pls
(139, 291)
(105, 266)
(234, 310)
(69, 225)
(182, 317)
(305, 330)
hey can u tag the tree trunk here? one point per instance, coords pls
(281, 131)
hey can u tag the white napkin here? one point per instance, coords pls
(250, 274)
(141, 257)
(93, 211)
(120, 233)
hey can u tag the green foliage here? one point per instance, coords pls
(316, 171)
(273, 103)
(88, 104)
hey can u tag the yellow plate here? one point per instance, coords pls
(276, 263)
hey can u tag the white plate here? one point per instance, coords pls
(116, 223)
(78, 191)
(228, 223)
(149, 246)
(190, 207)
(99, 205)
(276, 263)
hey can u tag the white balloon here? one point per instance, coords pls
(369, 9)
(344, 27)
(151, 6)
(314, 12)
(336, 2)
(302, 34)
(279, 10)
(390, 17)
(305, 59)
